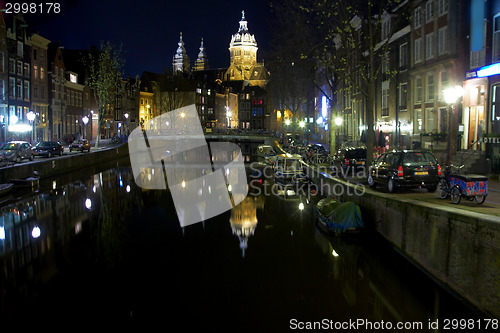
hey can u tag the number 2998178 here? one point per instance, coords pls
(32, 8)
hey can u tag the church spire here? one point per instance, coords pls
(243, 23)
(202, 61)
(180, 60)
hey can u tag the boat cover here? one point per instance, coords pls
(344, 217)
(327, 205)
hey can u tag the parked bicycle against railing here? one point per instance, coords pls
(457, 185)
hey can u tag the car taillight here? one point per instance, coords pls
(400, 171)
(439, 170)
(346, 161)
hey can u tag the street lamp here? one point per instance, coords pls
(228, 115)
(85, 120)
(126, 121)
(31, 117)
(451, 95)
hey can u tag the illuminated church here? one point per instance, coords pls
(243, 58)
(231, 97)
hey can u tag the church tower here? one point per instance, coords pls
(243, 57)
(202, 61)
(180, 61)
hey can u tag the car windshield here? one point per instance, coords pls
(419, 158)
(43, 144)
(10, 146)
(356, 153)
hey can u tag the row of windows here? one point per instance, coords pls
(17, 88)
(245, 114)
(74, 98)
(430, 50)
(429, 11)
(424, 91)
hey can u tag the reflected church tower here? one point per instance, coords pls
(243, 219)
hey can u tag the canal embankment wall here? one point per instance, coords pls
(459, 249)
(55, 166)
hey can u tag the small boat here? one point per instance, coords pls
(287, 168)
(5, 188)
(30, 182)
(339, 218)
(266, 154)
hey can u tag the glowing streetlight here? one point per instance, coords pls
(36, 232)
(338, 121)
(302, 124)
(31, 117)
(287, 122)
(451, 95)
(85, 121)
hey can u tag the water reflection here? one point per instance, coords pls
(38, 231)
(124, 257)
(243, 219)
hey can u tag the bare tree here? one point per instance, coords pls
(349, 43)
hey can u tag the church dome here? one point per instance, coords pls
(243, 37)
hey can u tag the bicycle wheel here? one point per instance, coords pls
(443, 189)
(455, 195)
(480, 199)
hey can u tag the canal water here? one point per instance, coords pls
(93, 247)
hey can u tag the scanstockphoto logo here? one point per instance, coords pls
(204, 179)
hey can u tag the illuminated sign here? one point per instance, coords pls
(323, 107)
(491, 139)
(489, 70)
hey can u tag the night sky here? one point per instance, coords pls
(149, 29)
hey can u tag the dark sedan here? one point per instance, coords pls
(405, 169)
(48, 149)
(353, 159)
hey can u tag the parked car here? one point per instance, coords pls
(316, 148)
(48, 148)
(81, 145)
(405, 169)
(352, 159)
(16, 151)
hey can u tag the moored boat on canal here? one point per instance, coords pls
(5, 188)
(339, 218)
(288, 168)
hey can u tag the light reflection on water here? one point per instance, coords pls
(107, 249)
